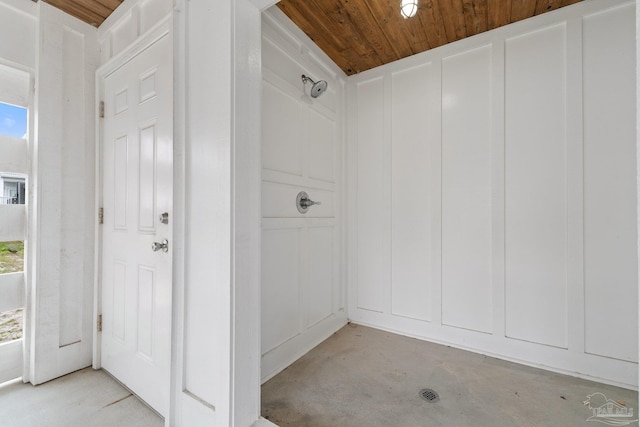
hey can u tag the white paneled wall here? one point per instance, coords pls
(62, 197)
(128, 22)
(494, 186)
(467, 190)
(610, 243)
(374, 215)
(411, 223)
(536, 186)
(18, 24)
(303, 299)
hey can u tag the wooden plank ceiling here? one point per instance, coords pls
(362, 34)
(93, 12)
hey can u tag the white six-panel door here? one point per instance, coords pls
(137, 190)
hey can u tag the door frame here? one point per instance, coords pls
(30, 230)
(160, 30)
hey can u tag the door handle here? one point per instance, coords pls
(303, 202)
(306, 203)
(164, 246)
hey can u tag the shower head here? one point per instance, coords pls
(318, 87)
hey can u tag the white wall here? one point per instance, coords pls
(637, 129)
(62, 194)
(18, 24)
(18, 27)
(493, 188)
(127, 23)
(215, 331)
(59, 53)
(302, 286)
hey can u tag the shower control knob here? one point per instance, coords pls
(303, 202)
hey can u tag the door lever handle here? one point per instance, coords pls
(157, 246)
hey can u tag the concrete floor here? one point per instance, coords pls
(81, 399)
(366, 377)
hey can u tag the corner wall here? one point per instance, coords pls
(493, 189)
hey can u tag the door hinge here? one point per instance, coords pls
(101, 110)
(99, 323)
(101, 216)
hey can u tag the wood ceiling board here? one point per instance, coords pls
(355, 49)
(94, 6)
(333, 48)
(395, 34)
(362, 34)
(416, 36)
(111, 4)
(78, 11)
(93, 12)
(475, 16)
(522, 9)
(431, 19)
(499, 13)
(543, 6)
(453, 17)
(361, 15)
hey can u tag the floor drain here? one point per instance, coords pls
(429, 395)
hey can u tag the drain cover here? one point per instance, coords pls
(429, 395)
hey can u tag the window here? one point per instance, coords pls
(12, 189)
(13, 121)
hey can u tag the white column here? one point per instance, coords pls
(216, 353)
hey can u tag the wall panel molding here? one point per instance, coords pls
(467, 153)
(531, 200)
(302, 144)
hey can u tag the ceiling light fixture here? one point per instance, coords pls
(408, 8)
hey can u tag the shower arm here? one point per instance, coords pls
(306, 79)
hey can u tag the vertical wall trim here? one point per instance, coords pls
(174, 417)
(386, 190)
(435, 138)
(575, 190)
(498, 184)
(637, 4)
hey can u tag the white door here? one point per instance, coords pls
(137, 191)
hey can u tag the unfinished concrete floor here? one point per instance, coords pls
(366, 377)
(81, 399)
